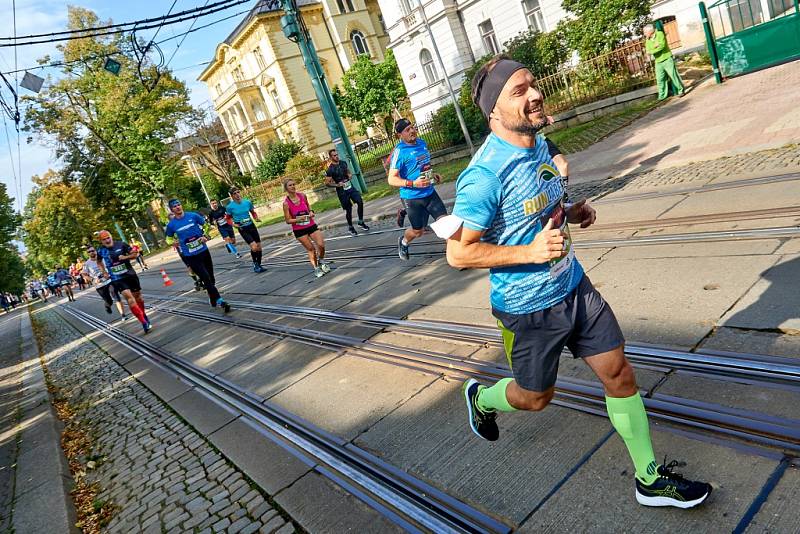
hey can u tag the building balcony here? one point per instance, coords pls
(235, 87)
(411, 19)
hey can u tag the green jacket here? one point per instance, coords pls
(657, 47)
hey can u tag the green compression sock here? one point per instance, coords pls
(494, 398)
(630, 421)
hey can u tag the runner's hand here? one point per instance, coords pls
(582, 213)
(438, 178)
(547, 245)
(204, 239)
(420, 183)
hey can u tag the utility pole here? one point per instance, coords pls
(295, 30)
(461, 121)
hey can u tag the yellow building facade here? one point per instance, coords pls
(259, 84)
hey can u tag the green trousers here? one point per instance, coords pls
(666, 75)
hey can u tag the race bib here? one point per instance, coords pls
(222, 222)
(245, 221)
(194, 246)
(347, 185)
(562, 265)
(119, 269)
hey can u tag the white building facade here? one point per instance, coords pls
(466, 30)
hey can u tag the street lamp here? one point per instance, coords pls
(190, 160)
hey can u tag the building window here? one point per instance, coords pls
(345, 6)
(237, 74)
(533, 14)
(259, 59)
(218, 89)
(258, 111)
(488, 38)
(405, 7)
(428, 68)
(276, 100)
(359, 43)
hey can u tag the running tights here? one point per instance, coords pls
(348, 212)
(203, 267)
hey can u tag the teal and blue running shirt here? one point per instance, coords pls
(189, 230)
(509, 193)
(411, 161)
(240, 211)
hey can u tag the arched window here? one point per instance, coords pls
(428, 68)
(359, 42)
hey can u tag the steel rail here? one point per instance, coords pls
(392, 492)
(693, 237)
(741, 365)
(743, 424)
(602, 198)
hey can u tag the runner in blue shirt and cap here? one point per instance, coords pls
(188, 228)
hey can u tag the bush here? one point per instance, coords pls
(305, 166)
(542, 53)
(277, 155)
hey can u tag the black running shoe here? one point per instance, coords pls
(482, 423)
(108, 308)
(402, 250)
(363, 225)
(352, 231)
(671, 489)
(401, 217)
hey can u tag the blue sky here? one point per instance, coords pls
(41, 16)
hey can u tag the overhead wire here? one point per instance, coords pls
(89, 34)
(182, 40)
(17, 113)
(121, 24)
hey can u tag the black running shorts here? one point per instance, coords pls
(129, 281)
(305, 231)
(419, 209)
(583, 322)
(250, 234)
(226, 231)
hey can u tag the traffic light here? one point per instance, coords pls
(290, 27)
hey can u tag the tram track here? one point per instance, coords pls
(410, 503)
(581, 395)
(755, 367)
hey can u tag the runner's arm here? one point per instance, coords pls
(253, 213)
(287, 216)
(466, 250)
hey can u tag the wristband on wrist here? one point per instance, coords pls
(409, 183)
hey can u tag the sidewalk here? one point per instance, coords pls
(34, 475)
(746, 114)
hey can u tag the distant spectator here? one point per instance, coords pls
(666, 74)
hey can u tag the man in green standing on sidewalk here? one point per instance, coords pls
(666, 73)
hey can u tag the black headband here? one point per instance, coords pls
(491, 84)
(401, 125)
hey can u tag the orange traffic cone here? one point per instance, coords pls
(167, 281)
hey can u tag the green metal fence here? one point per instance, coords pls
(747, 35)
(371, 157)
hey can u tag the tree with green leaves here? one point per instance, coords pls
(370, 91)
(11, 265)
(59, 222)
(276, 155)
(598, 27)
(111, 131)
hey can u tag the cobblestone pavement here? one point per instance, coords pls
(161, 475)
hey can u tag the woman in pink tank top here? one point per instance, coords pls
(298, 213)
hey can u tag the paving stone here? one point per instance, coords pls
(153, 464)
(221, 524)
(238, 525)
(273, 524)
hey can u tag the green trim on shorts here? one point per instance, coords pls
(508, 341)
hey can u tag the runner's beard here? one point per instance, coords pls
(525, 127)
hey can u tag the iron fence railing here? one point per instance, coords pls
(371, 157)
(272, 190)
(624, 69)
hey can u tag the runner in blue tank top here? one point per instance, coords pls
(244, 214)
(510, 217)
